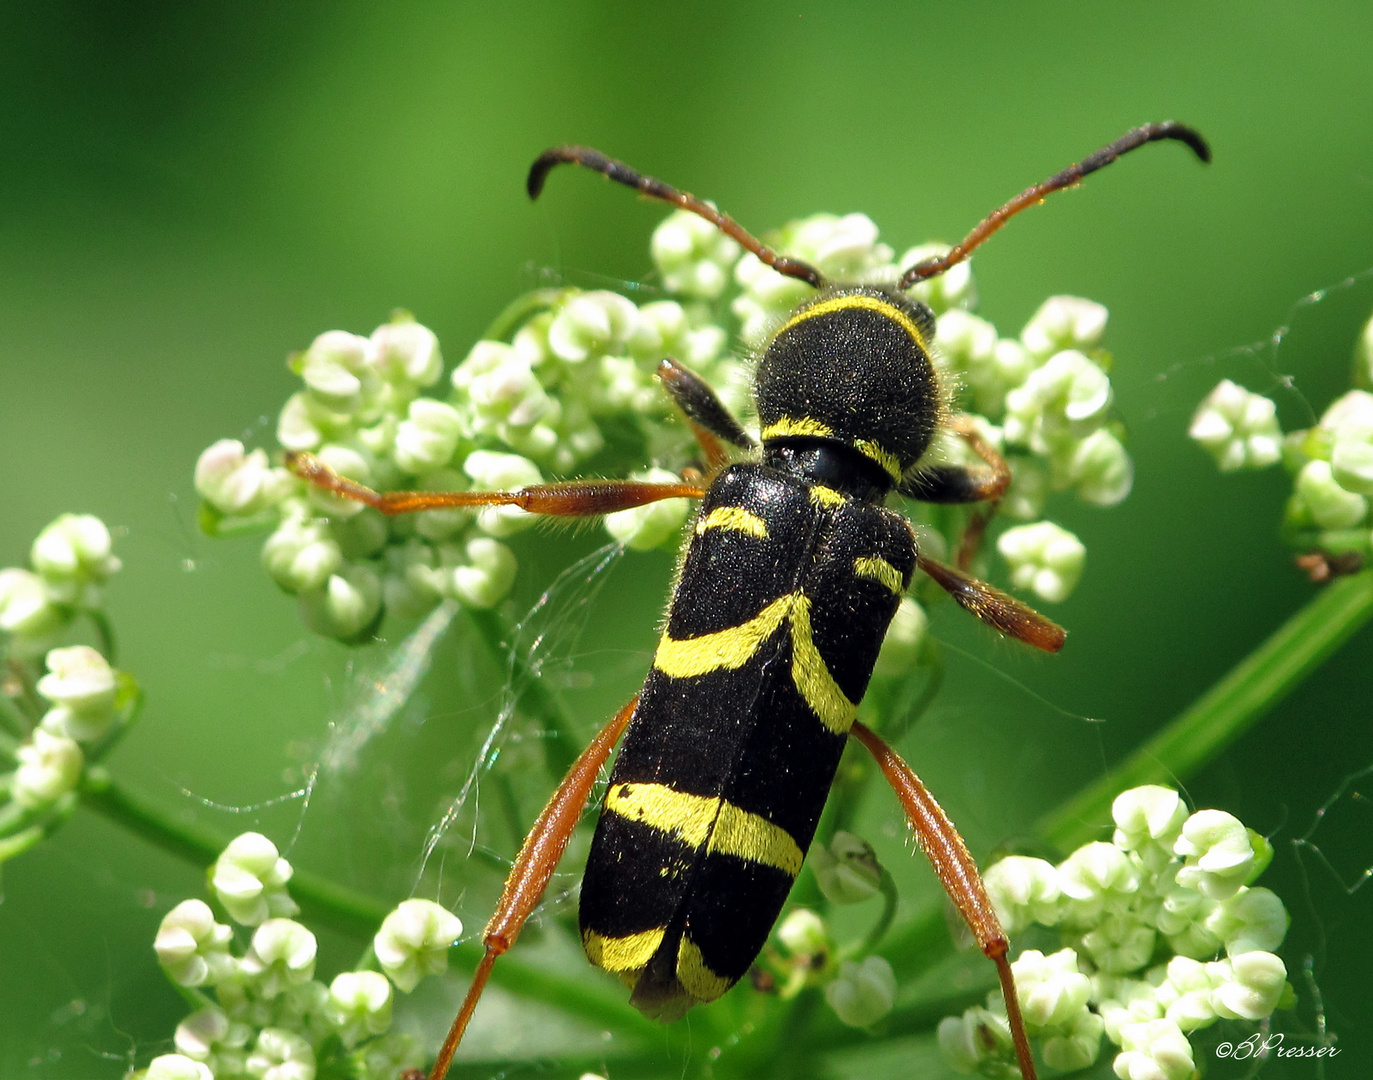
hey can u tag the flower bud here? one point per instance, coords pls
(1324, 500)
(176, 1067)
(1051, 989)
(49, 767)
(591, 323)
(282, 955)
(250, 878)
(346, 606)
(428, 437)
(359, 1005)
(192, 948)
(1148, 822)
(484, 580)
(803, 934)
(1097, 876)
(81, 686)
(863, 993)
(74, 548)
(208, 1035)
(281, 1055)
(236, 483)
(27, 608)
(1219, 855)
(978, 1041)
(414, 940)
(1119, 943)
(1101, 469)
(406, 352)
(1077, 1045)
(1067, 397)
(1154, 1050)
(1043, 557)
(492, 471)
(846, 869)
(337, 370)
(302, 554)
(1239, 429)
(693, 256)
(1252, 919)
(1253, 987)
(1064, 322)
(1023, 890)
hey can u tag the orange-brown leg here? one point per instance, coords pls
(1001, 612)
(942, 845)
(575, 498)
(533, 868)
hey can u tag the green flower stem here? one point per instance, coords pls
(1226, 711)
(331, 905)
(354, 913)
(518, 310)
(891, 898)
(1217, 718)
(104, 632)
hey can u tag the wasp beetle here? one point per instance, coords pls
(788, 581)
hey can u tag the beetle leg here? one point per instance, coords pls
(709, 419)
(574, 498)
(944, 847)
(533, 868)
(1001, 612)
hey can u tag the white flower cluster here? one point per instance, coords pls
(270, 1018)
(574, 386)
(70, 560)
(83, 692)
(1331, 463)
(517, 413)
(1169, 882)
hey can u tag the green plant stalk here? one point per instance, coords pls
(1216, 719)
(342, 909)
(1221, 715)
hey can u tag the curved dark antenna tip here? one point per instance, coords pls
(543, 165)
(1195, 141)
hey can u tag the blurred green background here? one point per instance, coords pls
(188, 192)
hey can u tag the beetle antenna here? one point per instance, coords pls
(1069, 177)
(656, 189)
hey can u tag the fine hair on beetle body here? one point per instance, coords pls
(792, 572)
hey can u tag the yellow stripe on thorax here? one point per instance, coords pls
(723, 649)
(735, 519)
(880, 570)
(889, 461)
(627, 953)
(698, 820)
(796, 425)
(812, 676)
(825, 497)
(867, 303)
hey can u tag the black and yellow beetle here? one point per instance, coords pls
(787, 584)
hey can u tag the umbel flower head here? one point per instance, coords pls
(569, 386)
(263, 1011)
(1169, 883)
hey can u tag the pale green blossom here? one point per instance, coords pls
(249, 878)
(414, 940)
(863, 992)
